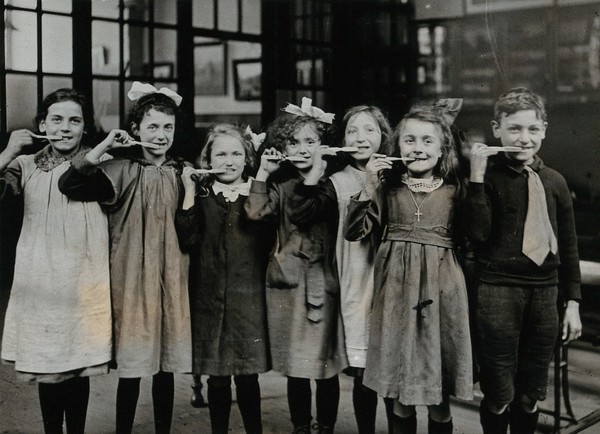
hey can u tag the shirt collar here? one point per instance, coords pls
(518, 167)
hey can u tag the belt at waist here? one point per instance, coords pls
(433, 235)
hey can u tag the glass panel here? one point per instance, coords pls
(57, 34)
(105, 48)
(165, 11)
(165, 54)
(228, 15)
(106, 104)
(57, 6)
(105, 8)
(251, 16)
(21, 88)
(135, 43)
(53, 83)
(21, 41)
(24, 3)
(210, 68)
(203, 14)
(136, 10)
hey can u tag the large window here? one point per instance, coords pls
(101, 46)
(131, 40)
(36, 54)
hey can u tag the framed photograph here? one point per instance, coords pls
(247, 76)
(210, 69)
(483, 6)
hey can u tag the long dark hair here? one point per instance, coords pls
(65, 94)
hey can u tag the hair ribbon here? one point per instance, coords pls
(449, 108)
(257, 139)
(307, 109)
(139, 90)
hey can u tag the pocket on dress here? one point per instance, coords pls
(283, 271)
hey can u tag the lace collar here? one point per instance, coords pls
(422, 185)
(47, 159)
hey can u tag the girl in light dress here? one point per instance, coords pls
(419, 348)
(57, 330)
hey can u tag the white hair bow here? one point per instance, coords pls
(307, 109)
(139, 90)
(257, 139)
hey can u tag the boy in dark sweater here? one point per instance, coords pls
(520, 217)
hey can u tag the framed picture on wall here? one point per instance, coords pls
(247, 77)
(210, 69)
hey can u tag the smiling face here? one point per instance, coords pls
(304, 142)
(423, 142)
(524, 129)
(228, 153)
(363, 132)
(64, 119)
(158, 128)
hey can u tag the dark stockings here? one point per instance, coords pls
(299, 401)
(248, 399)
(128, 393)
(68, 398)
(365, 406)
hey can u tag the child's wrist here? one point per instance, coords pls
(262, 174)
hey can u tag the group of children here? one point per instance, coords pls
(303, 254)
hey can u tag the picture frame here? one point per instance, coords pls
(210, 69)
(247, 75)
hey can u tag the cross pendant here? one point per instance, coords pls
(418, 214)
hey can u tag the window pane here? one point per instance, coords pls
(105, 48)
(22, 91)
(105, 8)
(21, 41)
(57, 32)
(203, 14)
(165, 11)
(106, 104)
(136, 10)
(135, 43)
(24, 3)
(228, 15)
(165, 54)
(251, 16)
(53, 83)
(57, 6)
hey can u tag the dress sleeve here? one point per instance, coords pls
(312, 203)
(478, 213)
(83, 187)
(364, 216)
(262, 202)
(188, 225)
(10, 180)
